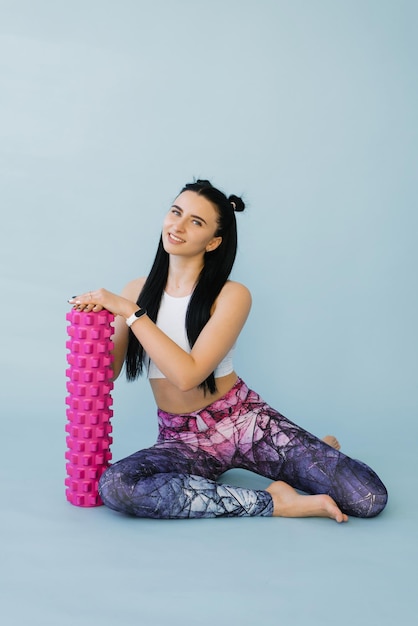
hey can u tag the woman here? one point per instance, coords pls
(182, 328)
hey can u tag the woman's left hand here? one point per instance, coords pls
(103, 299)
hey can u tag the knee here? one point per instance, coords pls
(124, 492)
(359, 490)
(373, 502)
(110, 489)
(376, 504)
(105, 481)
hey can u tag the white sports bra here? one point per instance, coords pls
(171, 320)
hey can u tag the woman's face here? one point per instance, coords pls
(190, 226)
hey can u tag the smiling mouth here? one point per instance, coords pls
(175, 239)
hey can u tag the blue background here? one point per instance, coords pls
(308, 109)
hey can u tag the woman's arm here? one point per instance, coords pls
(121, 332)
(186, 371)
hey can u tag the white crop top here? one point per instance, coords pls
(171, 320)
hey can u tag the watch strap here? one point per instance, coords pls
(135, 316)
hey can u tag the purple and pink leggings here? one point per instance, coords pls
(177, 477)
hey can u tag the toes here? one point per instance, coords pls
(332, 441)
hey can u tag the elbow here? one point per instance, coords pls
(184, 377)
(118, 360)
(185, 385)
(116, 371)
(185, 382)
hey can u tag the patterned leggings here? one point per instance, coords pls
(176, 478)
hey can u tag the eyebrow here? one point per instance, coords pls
(176, 206)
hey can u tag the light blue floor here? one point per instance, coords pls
(63, 565)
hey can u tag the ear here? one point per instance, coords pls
(213, 244)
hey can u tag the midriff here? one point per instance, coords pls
(170, 399)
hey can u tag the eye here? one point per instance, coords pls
(197, 223)
(175, 211)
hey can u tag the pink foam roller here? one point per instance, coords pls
(89, 399)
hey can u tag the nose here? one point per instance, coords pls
(179, 224)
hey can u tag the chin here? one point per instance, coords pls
(170, 249)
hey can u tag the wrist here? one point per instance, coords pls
(130, 309)
(136, 315)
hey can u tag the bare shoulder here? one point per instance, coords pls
(132, 290)
(233, 292)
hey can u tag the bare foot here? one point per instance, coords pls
(289, 503)
(332, 441)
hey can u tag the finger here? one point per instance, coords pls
(88, 301)
(84, 303)
(76, 300)
(83, 299)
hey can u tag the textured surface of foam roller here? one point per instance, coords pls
(89, 401)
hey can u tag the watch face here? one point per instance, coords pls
(138, 313)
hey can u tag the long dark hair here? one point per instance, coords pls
(216, 269)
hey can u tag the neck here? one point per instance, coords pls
(182, 275)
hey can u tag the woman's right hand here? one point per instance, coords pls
(103, 299)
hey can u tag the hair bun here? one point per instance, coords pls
(237, 203)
